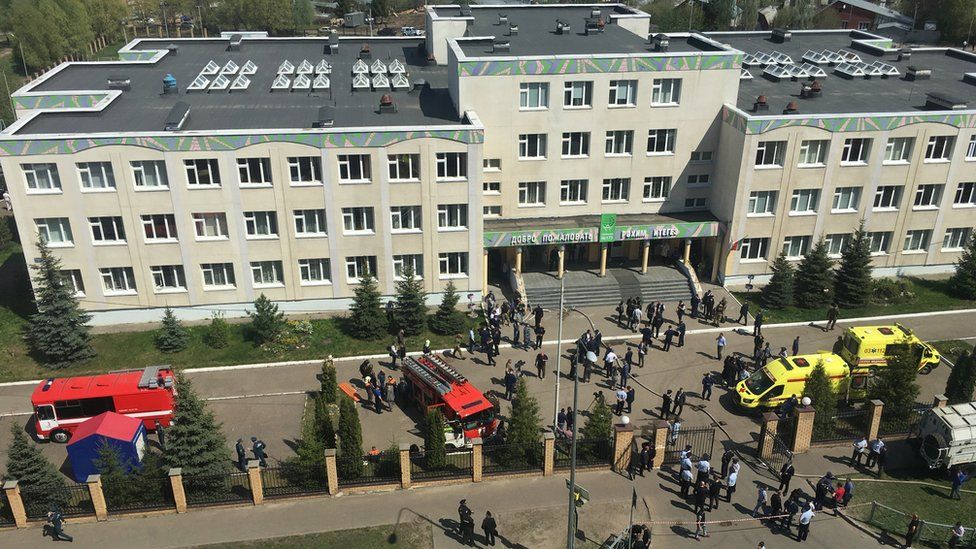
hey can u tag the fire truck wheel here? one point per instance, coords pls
(60, 436)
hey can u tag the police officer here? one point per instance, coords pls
(466, 523)
(257, 447)
(56, 529)
(241, 455)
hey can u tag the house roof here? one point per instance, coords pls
(874, 8)
(108, 425)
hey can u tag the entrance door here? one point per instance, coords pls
(617, 250)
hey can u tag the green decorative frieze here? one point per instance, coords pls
(59, 101)
(589, 65)
(832, 123)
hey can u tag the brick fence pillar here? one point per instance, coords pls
(803, 432)
(94, 483)
(477, 460)
(940, 401)
(874, 418)
(660, 442)
(404, 465)
(255, 480)
(623, 436)
(12, 491)
(767, 433)
(331, 471)
(179, 495)
(548, 453)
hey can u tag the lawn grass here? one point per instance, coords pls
(932, 503)
(952, 348)
(110, 52)
(930, 295)
(408, 536)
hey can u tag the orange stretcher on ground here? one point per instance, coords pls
(350, 391)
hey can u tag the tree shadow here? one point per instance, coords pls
(15, 290)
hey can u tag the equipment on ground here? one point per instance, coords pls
(948, 435)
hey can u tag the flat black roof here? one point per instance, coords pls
(858, 95)
(145, 108)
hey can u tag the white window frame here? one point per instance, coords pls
(917, 241)
(846, 200)
(965, 196)
(699, 180)
(406, 219)
(796, 247)
(657, 188)
(491, 188)
(73, 278)
(254, 171)
(118, 281)
(754, 250)
(879, 242)
(162, 275)
(927, 196)
(615, 190)
(576, 145)
(152, 222)
(898, 150)
(887, 198)
(535, 190)
(359, 265)
(222, 276)
(623, 94)
(400, 262)
(90, 172)
(578, 94)
(261, 225)
(42, 178)
(661, 142)
(490, 165)
(452, 265)
(666, 92)
(939, 149)
(104, 227)
(971, 149)
(354, 168)
(44, 226)
(804, 202)
(813, 153)
(770, 155)
(761, 204)
(533, 96)
(305, 171)
(403, 167)
(836, 243)
(532, 146)
(619, 143)
(307, 268)
(310, 223)
(202, 173)
(856, 151)
(452, 166)
(141, 175)
(491, 211)
(203, 221)
(358, 215)
(267, 274)
(452, 217)
(956, 239)
(572, 192)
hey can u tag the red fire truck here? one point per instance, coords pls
(60, 405)
(432, 383)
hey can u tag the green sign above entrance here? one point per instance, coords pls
(608, 225)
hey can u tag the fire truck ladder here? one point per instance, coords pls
(450, 372)
(423, 372)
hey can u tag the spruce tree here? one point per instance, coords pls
(852, 281)
(411, 303)
(435, 447)
(524, 426)
(328, 387)
(448, 319)
(117, 487)
(821, 392)
(962, 380)
(267, 322)
(311, 447)
(325, 414)
(963, 281)
(172, 336)
(217, 334)
(195, 441)
(40, 482)
(350, 454)
(58, 332)
(895, 384)
(815, 278)
(597, 430)
(778, 292)
(366, 317)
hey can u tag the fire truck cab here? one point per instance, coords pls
(432, 383)
(60, 405)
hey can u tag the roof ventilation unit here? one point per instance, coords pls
(325, 118)
(512, 29)
(761, 105)
(386, 104)
(659, 42)
(502, 19)
(418, 86)
(595, 12)
(781, 35)
(812, 90)
(943, 102)
(593, 25)
(173, 49)
(333, 46)
(918, 73)
(904, 54)
(501, 46)
(119, 82)
(562, 27)
(169, 85)
(177, 117)
(365, 52)
(791, 108)
(235, 42)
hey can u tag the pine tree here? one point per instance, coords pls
(963, 281)
(895, 384)
(350, 454)
(325, 414)
(435, 447)
(852, 282)
(58, 333)
(448, 319)
(366, 318)
(172, 336)
(962, 380)
(217, 334)
(597, 430)
(411, 303)
(778, 292)
(39, 480)
(821, 393)
(267, 322)
(328, 387)
(815, 278)
(117, 486)
(195, 441)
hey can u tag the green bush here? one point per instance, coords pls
(217, 334)
(887, 290)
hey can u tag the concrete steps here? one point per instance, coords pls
(618, 285)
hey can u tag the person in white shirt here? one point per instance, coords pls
(703, 468)
(860, 446)
(733, 477)
(876, 446)
(804, 529)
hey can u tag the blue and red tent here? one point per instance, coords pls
(125, 434)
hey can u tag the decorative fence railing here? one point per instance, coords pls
(843, 425)
(73, 500)
(217, 489)
(456, 465)
(134, 495)
(383, 468)
(294, 479)
(512, 458)
(6, 515)
(589, 453)
(895, 421)
(895, 522)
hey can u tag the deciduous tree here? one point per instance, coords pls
(217, 334)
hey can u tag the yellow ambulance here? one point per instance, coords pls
(866, 347)
(784, 377)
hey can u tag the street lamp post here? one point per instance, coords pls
(559, 353)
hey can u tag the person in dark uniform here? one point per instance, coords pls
(666, 402)
(257, 448)
(241, 455)
(490, 528)
(56, 528)
(785, 476)
(160, 435)
(466, 523)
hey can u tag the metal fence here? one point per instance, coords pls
(217, 489)
(786, 429)
(456, 465)
(292, 478)
(895, 522)
(379, 469)
(701, 440)
(589, 453)
(898, 421)
(781, 454)
(6, 515)
(134, 495)
(842, 426)
(73, 500)
(511, 458)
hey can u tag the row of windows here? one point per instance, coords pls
(613, 190)
(898, 150)
(575, 143)
(916, 241)
(256, 171)
(534, 146)
(848, 199)
(264, 274)
(578, 94)
(261, 224)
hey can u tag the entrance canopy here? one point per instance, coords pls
(597, 228)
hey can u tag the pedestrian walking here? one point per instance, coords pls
(541, 359)
(757, 323)
(796, 345)
(701, 528)
(629, 358)
(957, 479)
(760, 507)
(860, 448)
(707, 386)
(631, 395)
(516, 334)
(681, 329)
(720, 343)
(804, 529)
(695, 305)
(538, 313)
(726, 459)
(160, 435)
(641, 353)
(875, 448)
(775, 506)
(241, 455)
(848, 492)
(55, 526)
(609, 360)
(832, 313)
(635, 319)
(620, 313)
(743, 314)
(680, 310)
(912, 531)
(786, 473)
(790, 508)
(465, 523)
(624, 373)
(730, 484)
(378, 399)
(701, 495)
(645, 460)
(675, 429)
(822, 490)
(257, 448)
(679, 402)
(587, 370)
(527, 333)
(490, 528)
(685, 481)
(704, 468)
(621, 401)
(666, 402)
(456, 351)
(956, 535)
(669, 337)
(714, 490)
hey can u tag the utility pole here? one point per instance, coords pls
(572, 526)
(162, 6)
(559, 339)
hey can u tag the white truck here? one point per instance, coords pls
(948, 435)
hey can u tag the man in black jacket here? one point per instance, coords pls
(785, 476)
(465, 523)
(490, 527)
